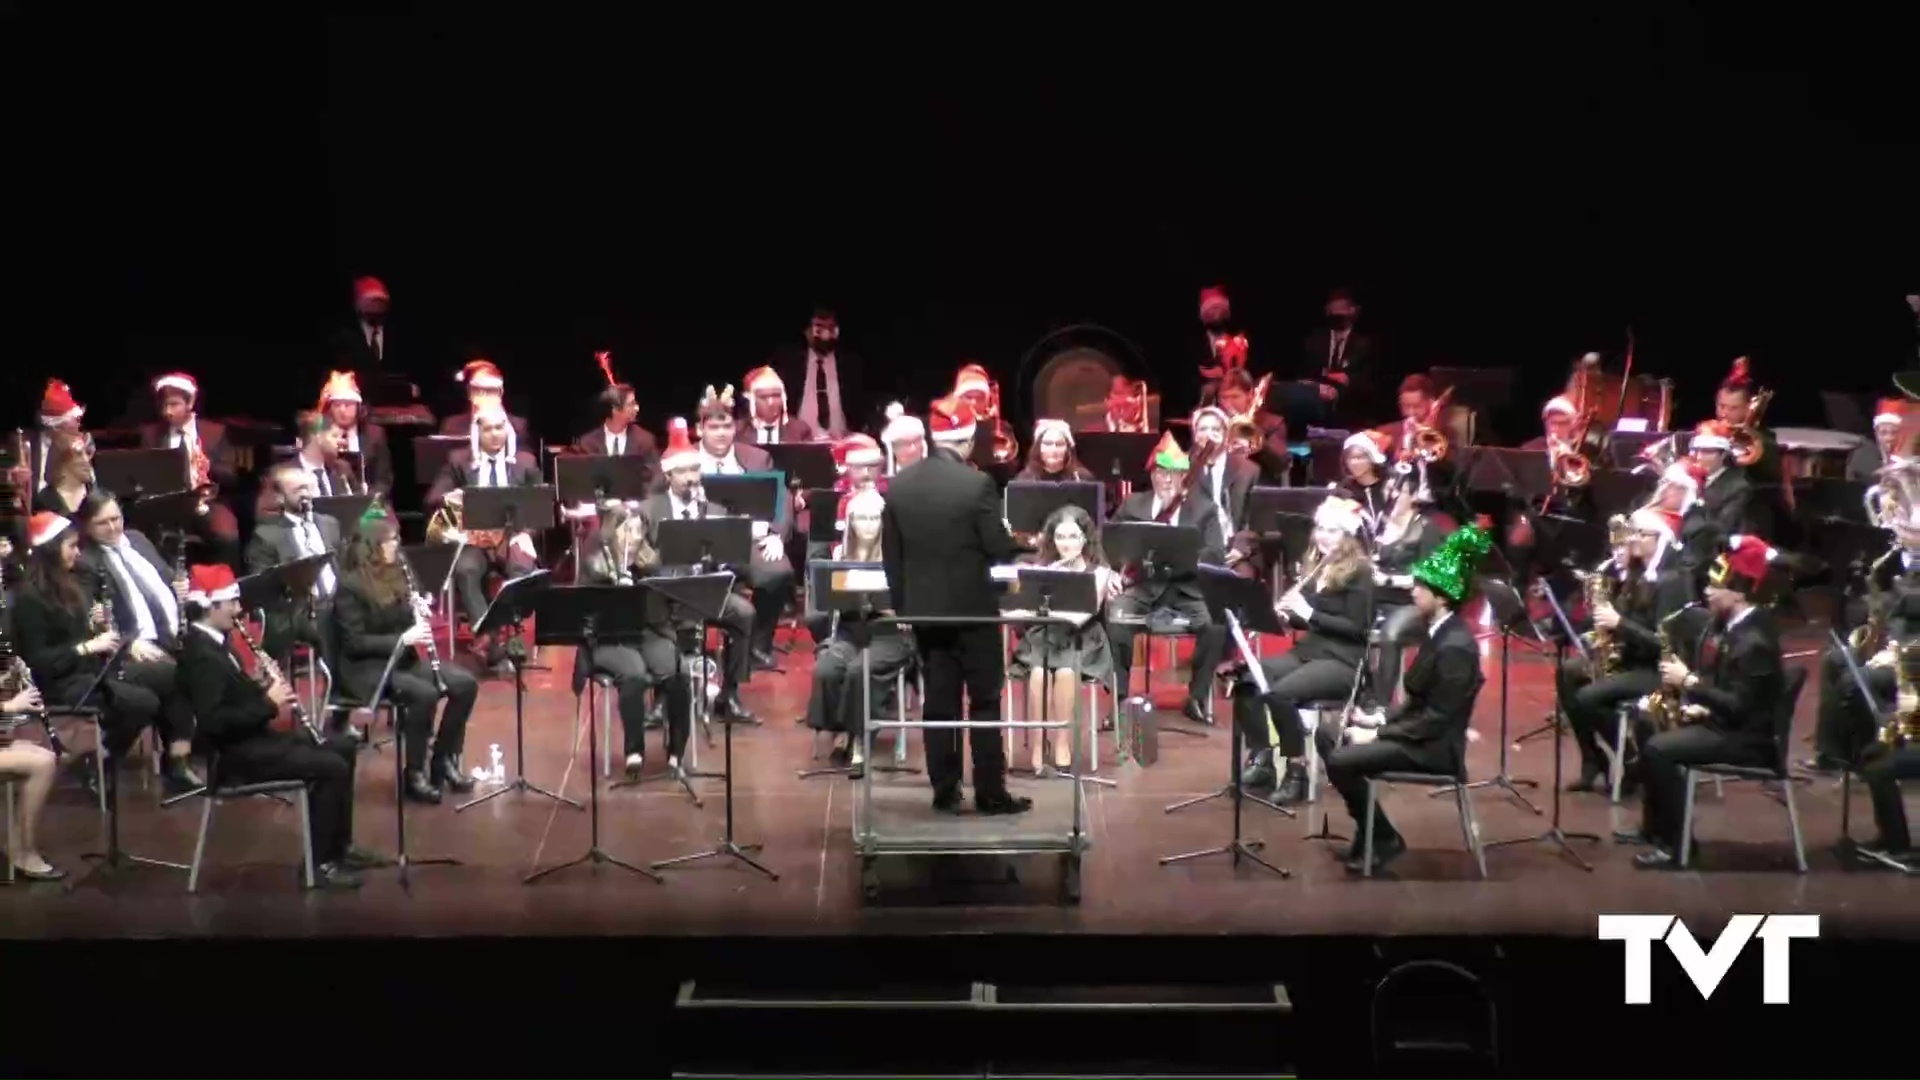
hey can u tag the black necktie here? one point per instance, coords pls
(687, 514)
(321, 483)
(493, 473)
(156, 605)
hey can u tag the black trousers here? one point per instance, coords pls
(967, 660)
(126, 710)
(328, 771)
(1593, 707)
(772, 585)
(173, 717)
(1290, 681)
(413, 692)
(1209, 641)
(1349, 766)
(1663, 758)
(1883, 771)
(474, 566)
(836, 704)
(1846, 723)
(736, 630)
(653, 662)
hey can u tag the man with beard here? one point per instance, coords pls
(830, 394)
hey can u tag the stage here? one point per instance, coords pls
(249, 885)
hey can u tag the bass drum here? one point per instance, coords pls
(1071, 369)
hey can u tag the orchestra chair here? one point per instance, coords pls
(1144, 636)
(900, 711)
(1468, 826)
(216, 793)
(1777, 771)
(339, 703)
(1329, 711)
(606, 694)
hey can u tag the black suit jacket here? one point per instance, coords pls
(376, 458)
(1643, 605)
(640, 444)
(795, 430)
(1729, 503)
(1360, 363)
(1441, 688)
(459, 473)
(125, 619)
(213, 443)
(860, 402)
(45, 636)
(230, 705)
(1742, 684)
(1196, 511)
(941, 532)
(462, 424)
(1342, 620)
(365, 634)
(340, 481)
(272, 544)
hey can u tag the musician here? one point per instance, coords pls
(616, 552)
(1228, 482)
(1125, 408)
(1867, 459)
(292, 532)
(1172, 500)
(1341, 358)
(69, 474)
(486, 388)
(1646, 586)
(1052, 456)
(319, 458)
(905, 438)
(340, 402)
(145, 596)
(1363, 459)
(1216, 318)
(769, 575)
(1701, 540)
(177, 396)
(973, 384)
(32, 767)
(941, 532)
(1331, 609)
(1427, 730)
(1412, 529)
(65, 634)
(59, 415)
(767, 416)
(1557, 419)
(1256, 435)
(491, 460)
(1069, 540)
(1726, 497)
(619, 433)
(1847, 723)
(362, 345)
(236, 712)
(683, 500)
(836, 703)
(1729, 695)
(834, 397)
(376, 619)
(1416, 400)
(1734, 405)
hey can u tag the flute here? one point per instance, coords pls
(414, 597)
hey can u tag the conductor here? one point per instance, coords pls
(941, 533)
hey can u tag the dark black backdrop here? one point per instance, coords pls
(1512, 186)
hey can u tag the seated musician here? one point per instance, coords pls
(486, 388)
(1125, 406)
(1728, 697)
(145, 600)
(975, 386)
(210, 459)
(1557, 418)
(1427, 731)
(294, 531)
(490, 461)
(1256, 435)
(1678, 492)
(616, 553)
(1363, 462)
(1727, 496)
(1736, 405)
(1052, 457)
(340, 402)
(1646, 586)
(904, 437)
(859, 460)
(770, 575)
(59, 415)
(1847, 723)
(378, 620)
(1069, 540)
(685, 500)
(319, 458)
(64, 631)
(1416, 401)
(1560, 419)
(836, 703)
(619, 433)
(32, 767)
(69, 474)
(1331, 607)
(1171, 500)
(1412, 529)
(236, 714)
(767, 416)
(1867, 459)
(1228, 480)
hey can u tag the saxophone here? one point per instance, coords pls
(1602, 645)
(1664, 706)
(1870, 637)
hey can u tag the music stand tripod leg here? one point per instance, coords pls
(594, 855)
(728, 847)
(519, 783)
(1554, 835)
(1504, 779)
(115, 857)
(1237, 848)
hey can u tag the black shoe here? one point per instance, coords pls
(1196, 712)
(657, 712)
(1385, 849)
(764, 660)
(180, 779)
(1631, 836)
(1259, 774)
(334, 877)
(947, 800)
(1293, 787)
(729, 709)
(1657, 859)
(446, 774)
(1000, 802)
(419, 789)
(1591, 779)
(359, 858)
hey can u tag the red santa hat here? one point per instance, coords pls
(972, 379)
(765, 378)
(951, 419)
(481, 375)
(1340, 513)
(493, 412)
(1214, 298)
(369, 288)
(211, 584)
(1743, 566)
(1711, 435)
(341, 386)
(857, 449)
(1661, 523)
(46, 527)
(57, 405)
(680, 452)
(1689, 477)
(901, 425)
(1889, 412)
(1560, 404)
(178, 380)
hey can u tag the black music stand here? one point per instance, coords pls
(509, 508)
(1054, 593)
(1242, 604)
(347, 510)
(838, 586)
(1562, 546)
(706, 595)
(1554, 834)
(140, 474)
(1116, 456)
(706, 542)
(284, 588)
(585, 617)
(114, 858)
(516, 600)
(1161, 552)
(756, 496)
(400, 647)
(1510, 612)
(823, 517)
(1029, 503)
(807, 465)
(595, 478)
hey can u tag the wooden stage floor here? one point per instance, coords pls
(250, 886)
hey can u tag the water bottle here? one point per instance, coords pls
(499, 764)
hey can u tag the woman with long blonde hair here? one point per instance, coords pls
(1331, 610)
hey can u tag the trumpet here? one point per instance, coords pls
(1422, 440)
(1005, 446)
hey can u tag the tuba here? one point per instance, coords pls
(1006, 447)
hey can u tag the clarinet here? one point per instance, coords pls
(413, 598)
(270, 673)
(103, 599)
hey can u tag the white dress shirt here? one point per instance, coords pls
(726, 466)
(322, 476)
(683, 509)
(1217, 489)
(819, 367)
(616, 441)
(490, 471)
(769, 432)
(141, 583)
(307, 538)
(1337, 348)
(376, 339)
(188, 431)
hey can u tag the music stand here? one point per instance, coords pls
(837, 586)
(282, 588)
(1242, 603)
(346, 510)
(806, 465)
(595, 478)
(1554, 834)
(823, 526)
(756, 496)
(1053, 593)
(1116, 456)
(509, 508)
(431, 453)
(709, 542)
(1509, 612)
(114, 858)
(1028, 503)
(511, 606)
(706, 595)
(1162, 552)
(140, 474)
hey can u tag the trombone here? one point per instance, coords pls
(1134, 412)
(1245, 428)
(1005, 446)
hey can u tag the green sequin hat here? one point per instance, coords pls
(1449, 569)
(374, 523)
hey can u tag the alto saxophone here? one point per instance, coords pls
(1664, 705)
(1870, 637)
(1602, 645)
